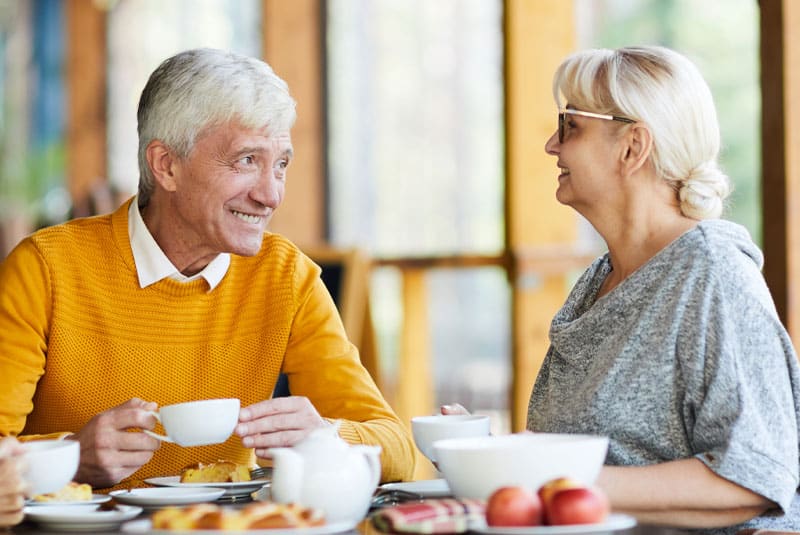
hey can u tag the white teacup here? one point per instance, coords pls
(429, 429)
(51, 464)
(198, 423)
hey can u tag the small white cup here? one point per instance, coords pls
(51, 464)
(429, 429)
(198, 423)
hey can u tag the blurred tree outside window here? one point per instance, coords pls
(32, 117)
(143, 33)
(722, 38)
(415, 156)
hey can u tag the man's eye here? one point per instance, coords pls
(247, 160)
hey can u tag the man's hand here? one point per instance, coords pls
(110, 453)
(277, 423)
(12, 486)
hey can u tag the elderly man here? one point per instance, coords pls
(181, 294)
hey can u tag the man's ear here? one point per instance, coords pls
(162, 162)
(638, 146)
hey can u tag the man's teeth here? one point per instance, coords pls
(246, 217)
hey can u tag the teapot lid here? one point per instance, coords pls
(322, 439)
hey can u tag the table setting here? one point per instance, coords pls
(323, 486)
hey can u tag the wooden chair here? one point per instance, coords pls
(346, 274)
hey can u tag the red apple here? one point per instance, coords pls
(577, 505)
(549, 489)
(513, 506)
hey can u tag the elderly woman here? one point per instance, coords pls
(12, 486)
(669, 344)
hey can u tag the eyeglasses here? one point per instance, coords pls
(562, 119)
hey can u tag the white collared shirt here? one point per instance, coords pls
(152, 265)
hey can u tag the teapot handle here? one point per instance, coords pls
(373, 456)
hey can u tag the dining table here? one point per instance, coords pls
(140, 524)
(363, 528)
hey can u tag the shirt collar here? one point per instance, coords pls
(152, 265)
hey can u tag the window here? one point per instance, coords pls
(32, 119)
(416, 169)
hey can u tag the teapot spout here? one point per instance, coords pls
(287, 475)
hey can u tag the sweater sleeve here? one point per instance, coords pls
(25, 311)
(745, 396)
(323, 365)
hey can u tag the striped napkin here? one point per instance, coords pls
(444, 515)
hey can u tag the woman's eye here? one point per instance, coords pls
(247, 160)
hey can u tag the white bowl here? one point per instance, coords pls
(429, 429)
(477, 466)
(51, 464)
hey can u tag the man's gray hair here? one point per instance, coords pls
(201, 88)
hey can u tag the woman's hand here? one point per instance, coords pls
(12, 485)
(688, 494)
(453, 408)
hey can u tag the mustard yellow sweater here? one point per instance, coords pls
(79, 336)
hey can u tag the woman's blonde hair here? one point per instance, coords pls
(665, 91)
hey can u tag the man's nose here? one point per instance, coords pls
(269, 190)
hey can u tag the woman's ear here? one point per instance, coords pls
(639, 145)
(162, 164)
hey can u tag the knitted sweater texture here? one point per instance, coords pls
(79, 336)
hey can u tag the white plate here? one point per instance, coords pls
(238, 488)
(145, 526)
(96, 499)
(614, 522)
(163, 496)
(428, 488)
(76, 518)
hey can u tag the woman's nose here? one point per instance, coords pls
(552, 146)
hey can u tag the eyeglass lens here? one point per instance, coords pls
(561, 126)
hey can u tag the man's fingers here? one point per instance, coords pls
(11, 519)
(10, 503)
(282, 439)
(271, 407)
(10, 446)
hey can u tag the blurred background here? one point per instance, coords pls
(416, 123)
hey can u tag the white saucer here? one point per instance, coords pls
(235, 489)
(427, 488)
(163, 496)
(96, 499)
(80, 518)
(614, 522)
(146, 526)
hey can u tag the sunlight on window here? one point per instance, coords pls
(416, 168)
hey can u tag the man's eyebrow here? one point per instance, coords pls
(245, 150)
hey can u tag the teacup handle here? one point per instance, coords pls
(156, 435)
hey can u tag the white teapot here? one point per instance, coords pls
(325, 472)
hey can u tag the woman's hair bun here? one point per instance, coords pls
(703, 192)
